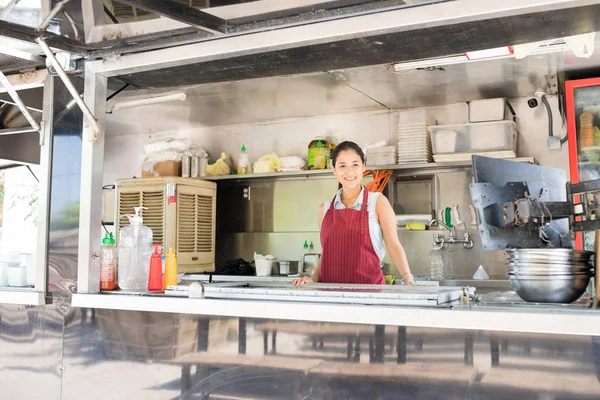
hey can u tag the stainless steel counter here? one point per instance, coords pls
(574, 319)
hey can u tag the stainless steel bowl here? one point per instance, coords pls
(559, 256)
(555, 289)
(549, 270)
(549, 275)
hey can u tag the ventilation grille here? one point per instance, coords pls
(153, 217)
(194, 223)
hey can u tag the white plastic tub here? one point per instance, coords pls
(487, 110)
(474, 138)
(415, 117)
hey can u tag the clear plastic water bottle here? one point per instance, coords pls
(437, 267)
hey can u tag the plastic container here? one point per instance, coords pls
(186, 166)
(473, 138)
(487, 110)
(203, 165)
(170, 269)
(264, 267)
(415, 117)
(16, 276)
(108, 263)
(284, 267)
(243, 163)
(155, 277)
(195, 167)
(135, 250)
(381, 156)
(319, 153)
(3, 273)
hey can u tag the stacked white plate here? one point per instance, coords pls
(414, 144)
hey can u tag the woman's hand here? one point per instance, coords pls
(409, 280)
(302, 281)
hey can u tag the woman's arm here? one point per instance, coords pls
(317, 273)
(387, 221)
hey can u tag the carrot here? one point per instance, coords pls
(380, 180)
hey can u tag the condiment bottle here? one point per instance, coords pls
(243, 162)
(586, 129)
(108, 263)
(170, 270)
(319, 153)
(155, 279)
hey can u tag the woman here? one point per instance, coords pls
(355, 225)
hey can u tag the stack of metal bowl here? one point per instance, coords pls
(549, 275)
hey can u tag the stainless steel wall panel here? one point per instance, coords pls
(30, 352)
(281, 215)
(64, 200)
(234, 358)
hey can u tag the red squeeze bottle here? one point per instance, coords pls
(155, 278)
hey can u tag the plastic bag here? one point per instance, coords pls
(267, 163)
(293, 163)
(167, 144)
(219, 167)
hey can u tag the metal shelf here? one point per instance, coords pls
(21, 296)
(326, 172)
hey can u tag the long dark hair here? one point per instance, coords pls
(347, 145)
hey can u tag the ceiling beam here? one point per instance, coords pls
(187, 15)
(27, 34)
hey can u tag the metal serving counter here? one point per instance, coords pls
(508, 316)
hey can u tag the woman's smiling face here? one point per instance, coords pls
(349, 169)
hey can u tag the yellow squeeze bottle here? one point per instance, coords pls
(170, 269)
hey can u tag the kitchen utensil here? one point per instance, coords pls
(473, 215)
(284, 267)
(555, 289)
(448, 218)
(456, 216)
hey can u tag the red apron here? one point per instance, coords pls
(348, 254)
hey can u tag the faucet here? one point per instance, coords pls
(440, 240)
(443, 225)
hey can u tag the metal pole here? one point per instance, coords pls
(73, 25)
(59, 6)
(9, 7)
(15, 96)
(12, 103)
(63, 76)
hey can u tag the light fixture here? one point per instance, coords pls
(146, 101)
(481, 55)
(498, 52)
